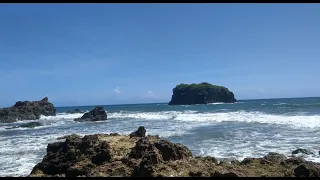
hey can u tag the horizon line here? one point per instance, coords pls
(167, 102)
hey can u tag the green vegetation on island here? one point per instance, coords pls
(202, 93)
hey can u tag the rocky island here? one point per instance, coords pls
(136, 155)
(27, 110)
(202, 93)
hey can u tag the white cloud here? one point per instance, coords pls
(117, 90)
(150, 94)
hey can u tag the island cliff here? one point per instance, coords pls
(202, 93)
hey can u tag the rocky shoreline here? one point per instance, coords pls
(136, 155)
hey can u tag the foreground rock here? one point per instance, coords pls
(106, 155)
(202, 93)
(97, 114)
(27, 110)
(27, 125)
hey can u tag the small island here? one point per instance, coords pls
(202, 93)
(27, 110)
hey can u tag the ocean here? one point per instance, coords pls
(249, 128)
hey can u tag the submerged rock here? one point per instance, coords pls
(27, 125)
(27, 110)
(302, 151)
(97, 114)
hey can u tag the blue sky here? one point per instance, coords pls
(88, 54)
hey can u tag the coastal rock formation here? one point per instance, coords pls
(27, 125)
(202, 93)
(27, 110)
(97, 114)
(108, 155)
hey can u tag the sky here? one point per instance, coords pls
(94, 54)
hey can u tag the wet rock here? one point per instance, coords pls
(302, 151)
(141, 132)
(27, 110)
(97, 114)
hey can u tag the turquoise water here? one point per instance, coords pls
(250, 128)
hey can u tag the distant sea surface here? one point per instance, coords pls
(249, 128)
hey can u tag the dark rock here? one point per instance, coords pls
(208, 158)
(295, 161)
(69, 136)
(195, 174)
(140, 148)
(307, 170)
(141, 132)
(202, 93)
(246, 161)
(27, 110)
(303, 151)
(274, 157)
(114, 134)
(97, 114)
(171, 151)
(27, 125)
(227, 174)
(61, 156)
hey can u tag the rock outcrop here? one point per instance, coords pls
(97, 114)
(27, 110)
(202, 93)
(108, 155)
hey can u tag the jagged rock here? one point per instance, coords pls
(27, 110)
(62, 156)
(108, 155)
(171, 151)
(302, 151)
(141, 132)
(97, 114)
